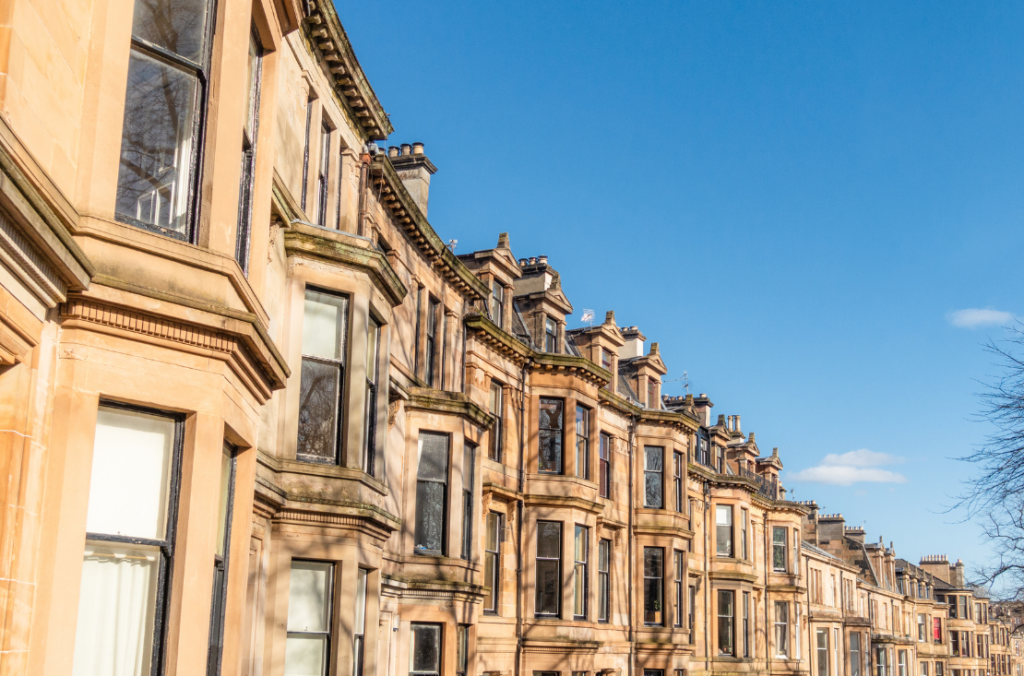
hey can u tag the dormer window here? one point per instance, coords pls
(497, 303)
(550, 336)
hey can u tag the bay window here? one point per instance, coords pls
(129, 546)
(548, 600)
(165, 107)
(324, 333)
(549, 458)
(432, 493)
(744, 526)
(654, 458)
(855, 653)
(433, 310)
(654, 573)
(308, 645)
(746, 624)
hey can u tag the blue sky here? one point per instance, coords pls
(793, 199)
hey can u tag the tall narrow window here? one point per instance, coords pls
(822, 652)
(936, 630)
(220, 560)
(549, 569)
(924, 669)
(461, 650)
(431, 493)
(419, 334)
(497, 409)
(654, 458)
(778, 549)
(129, 547)
(323, 173)
(922, 624)
(582, 442)
(425, 653)
(654, 583)
(901, 661)
(744, 526)
(243, 235)
(855, 651)
(550, 336)
(307, 648)
(492, 561)
(723, 530)
(781, 629)
(581, 568)
(549, 460)
(691, 614)
(497, 303)
(677, 479)
(433, 309)
(165, 103)
(604, 586)
(305, 154)
(341, 184)
(746, 624)
(372, 378)
(359, 623)
(605, 462)
(468, 464)
(726, 622)
(324, 330)
(678, 582)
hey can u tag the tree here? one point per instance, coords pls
(995, 494)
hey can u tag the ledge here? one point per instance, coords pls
(497, 339)
(448, 403)
(576, 366)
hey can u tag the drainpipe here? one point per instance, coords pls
(767, 572)
(629, 544)
(519, 517)
(364, 176)
(707, 576)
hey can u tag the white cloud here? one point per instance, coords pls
(845, 469)
(974, 318)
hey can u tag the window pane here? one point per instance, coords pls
(156, 146)
(319, 400)
(426, 648)
(131, 469)
(372, 343)
(433, 460)
(116, 610)
(550, 450)
(653, 462)
(225, 497)
(360, 619)
(309, 596)
(549, 536)
(549, 587)
(178, 26)
(430, 516)
(324, 325)
(305, 655)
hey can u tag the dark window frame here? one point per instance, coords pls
(220, 574)
(546, 432)
(583, 441)
(446, 483)
(604, 574)
(323, 173)
(726, 623)
(558, 568)
(581, 573)
(604, 465)
(654, 475)
(440, 647)
(250, 133)
(496, 401)
(372, 387)
(468, 457)
(654, 583)
(431, 356)
(492, 601)
(341, 364)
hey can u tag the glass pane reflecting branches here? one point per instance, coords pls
(549, 568)
(243, 235)
(549, 458)
(325, 321)
(220, 560)
(654, 458)
(165, 106)
(431, 493)
(582, 442)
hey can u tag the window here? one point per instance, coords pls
(359, 623)
(431, 493)
(654, 672)
(324, 331)
(606, 359)
(305, 152)
(220, 560)
(795, 567)
(691, 614)
(678, 581)
(372, 378)
(719, 460)
(822, 652)
(582, 442)
(497, 303)
(781, 629)
(497, 409)
(654, 457)
(723, 530)
(468, 464)
(129, 547)
(726, 614)
(549, 568)
(746, 624)
(308, 646)
(164, 108)
(744, 523)
(461, 649)
(604, 584)
(322, 174)
(419, 313)
(940, 667)
(954, 641)
(937, 630)
(580, 571)
(425, 655)
(677, 479)
(433, 309)
(549, 459)
(654, 573)
(778, 549)
(550, 336)
(922, 628)
(855, 653)
(243, 235)
(924, 669)
(605, 465)
(901, 661)
(492, 561)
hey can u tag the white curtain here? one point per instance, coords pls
(116, 611)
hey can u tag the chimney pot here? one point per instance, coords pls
(543, 260)
(533, 260)
(393, 151)
(406, 149)
(417, 148)
(737, 421)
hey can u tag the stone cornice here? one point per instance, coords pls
(325, 36)
(305, 239)
(487, 332)
(567, 364)
(448, 403)
(413, 222)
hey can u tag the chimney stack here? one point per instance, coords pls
(415, 170)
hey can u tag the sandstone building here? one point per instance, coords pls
(259, 420)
